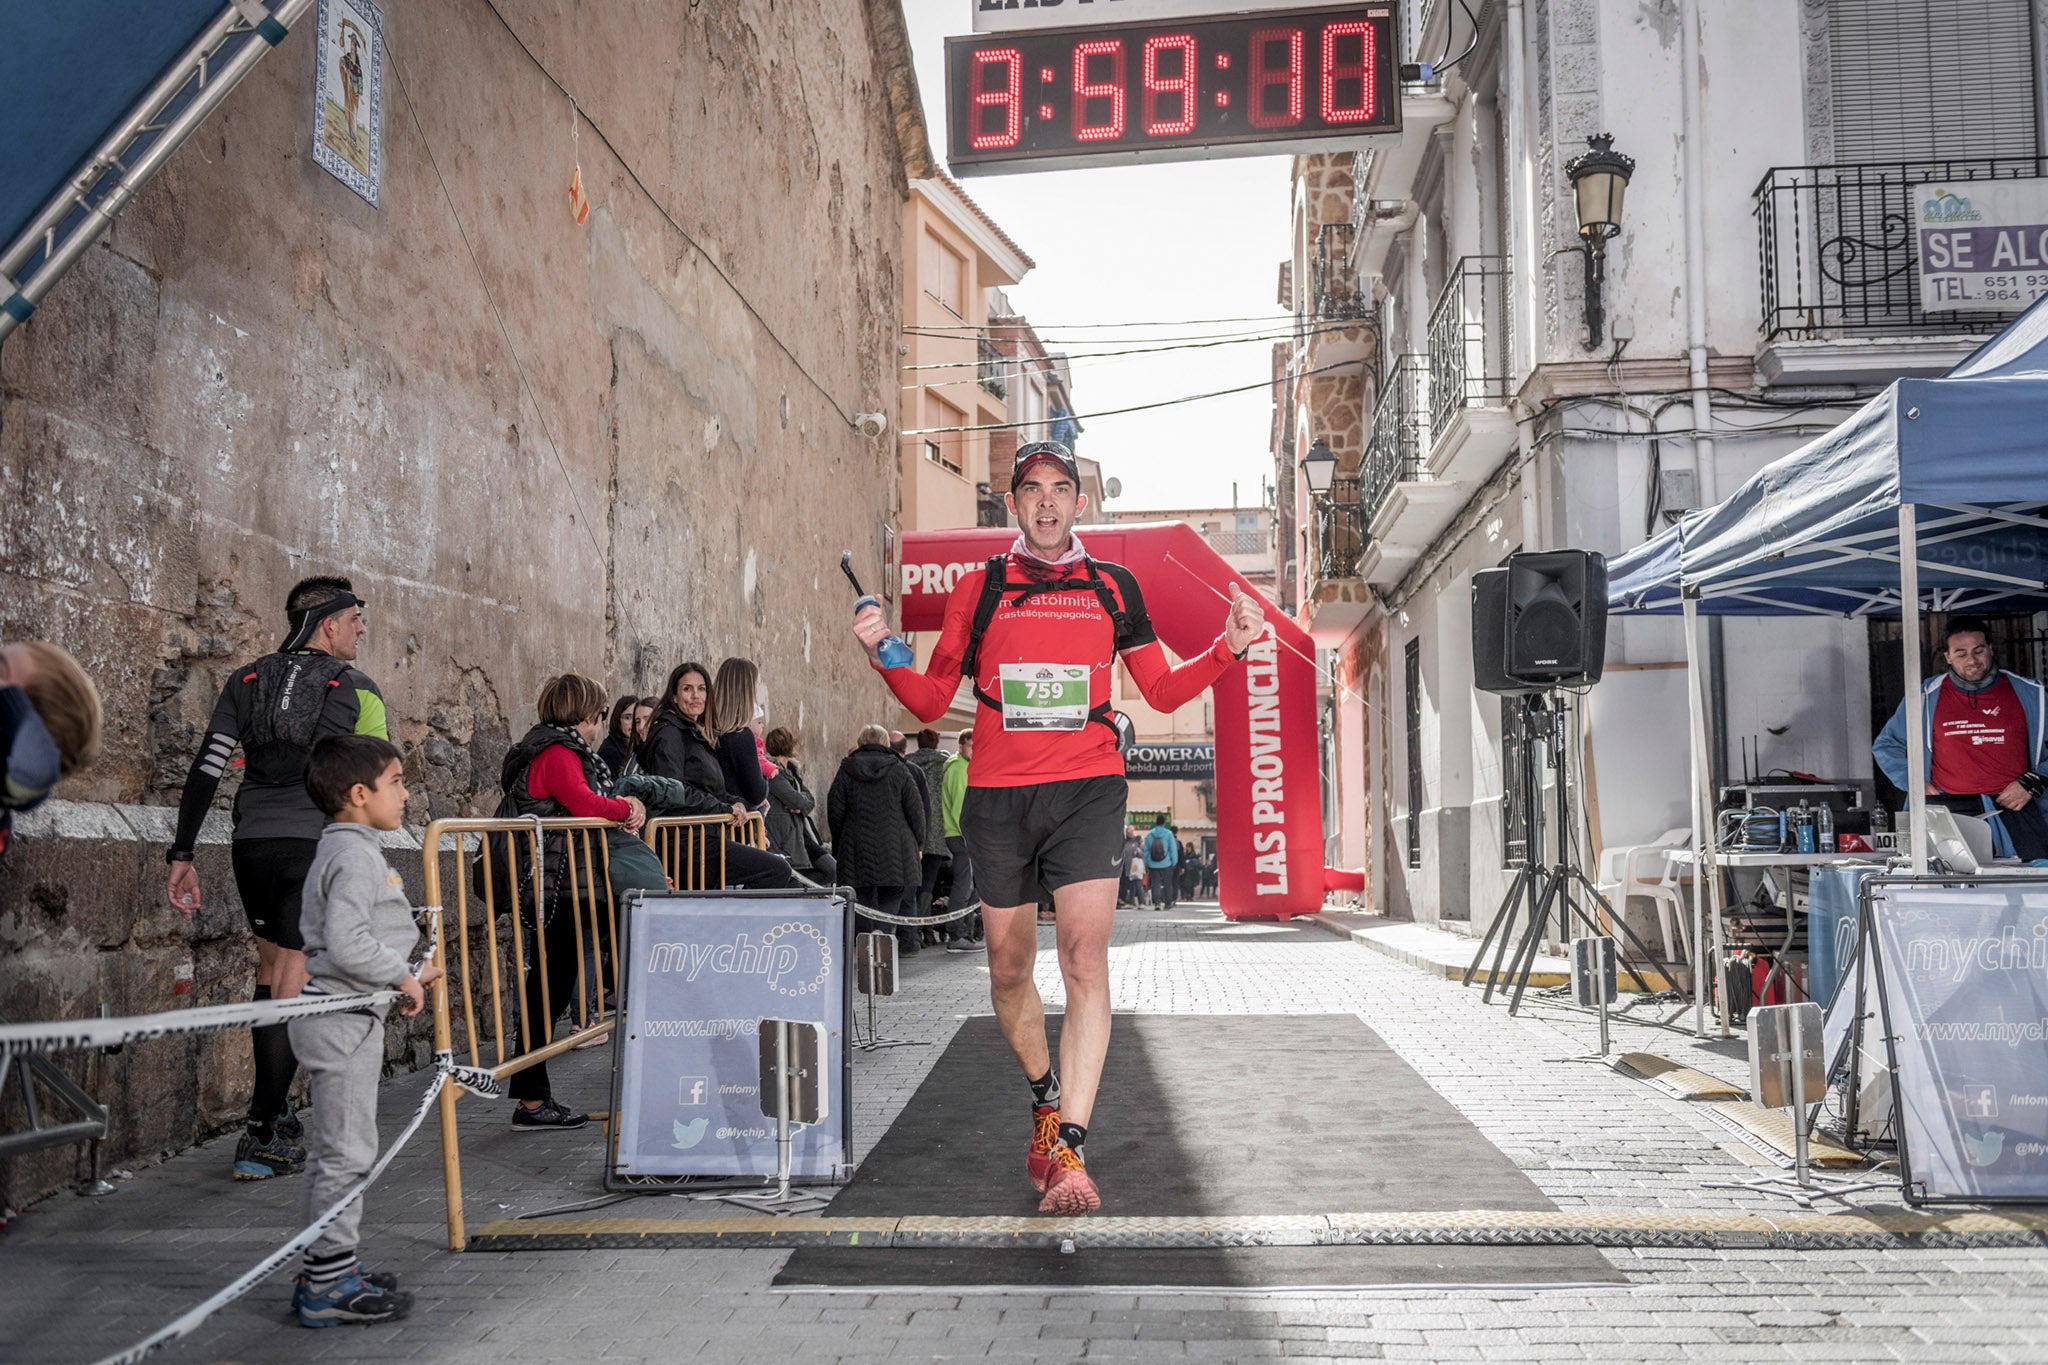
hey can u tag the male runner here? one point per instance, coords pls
(1045, 798)
(274, 709)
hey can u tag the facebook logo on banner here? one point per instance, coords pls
(696, 1090)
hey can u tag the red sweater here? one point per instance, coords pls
(1067, 626)
(557, 775)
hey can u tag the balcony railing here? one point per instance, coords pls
(1338, 296)
(989, 509)
(1339, 530)
(988, 368)
(1230, 540)
(1394, 451)
(1468, 339)
(1836, 248)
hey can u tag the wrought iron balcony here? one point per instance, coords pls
(988, 368)
(1230, 540)
(1468, 339)
(1836, 248)
(988, 507)
(1338, 297)
(1395, 449)
(1339, 530)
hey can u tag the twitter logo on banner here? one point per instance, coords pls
(689, 1134)
(1985, 1149)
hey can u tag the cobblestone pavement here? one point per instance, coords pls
(82, 1278)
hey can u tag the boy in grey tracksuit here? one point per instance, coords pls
(358, 927)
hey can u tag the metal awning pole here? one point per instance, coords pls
(1696, 749)
(1916, 712)
(20, 295)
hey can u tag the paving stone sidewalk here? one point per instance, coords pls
(80, 1279)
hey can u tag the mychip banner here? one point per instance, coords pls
(702, 971)
(1962, 971)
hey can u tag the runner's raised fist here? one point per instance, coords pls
(1247, 621)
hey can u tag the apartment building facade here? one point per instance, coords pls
(1522, 389)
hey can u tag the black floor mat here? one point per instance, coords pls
(1199, 1115)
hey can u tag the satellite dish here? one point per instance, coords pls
(1114, 488)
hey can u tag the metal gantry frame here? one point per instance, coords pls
(136, 149)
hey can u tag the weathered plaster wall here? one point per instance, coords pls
(257, 376)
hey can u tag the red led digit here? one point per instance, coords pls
(1111, 90)
(1006, 99)
(1264, 76)
(1182, 85)
(1360, 71)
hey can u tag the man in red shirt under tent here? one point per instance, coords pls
(1037, 632)
(1987, 753)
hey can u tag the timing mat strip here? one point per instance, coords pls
(1482, 1227)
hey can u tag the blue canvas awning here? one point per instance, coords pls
(99, 93)
(1818, 530)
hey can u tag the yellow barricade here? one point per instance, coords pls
(692, 847)
(484, 972)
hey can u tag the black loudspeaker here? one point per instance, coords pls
(1490, 635)
(1556, 617)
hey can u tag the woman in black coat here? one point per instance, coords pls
(678, 748)
(790, 804)
(877, 816)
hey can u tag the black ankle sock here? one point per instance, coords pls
(275, 1067)
(1046, 1090)
(1073, 1134)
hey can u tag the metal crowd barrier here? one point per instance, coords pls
(479, 976)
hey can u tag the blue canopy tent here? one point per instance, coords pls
(1935, 493)
(100, 93)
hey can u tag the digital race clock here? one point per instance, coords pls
(1244, 85)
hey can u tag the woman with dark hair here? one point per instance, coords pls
(680, 746)
(628, 728)
(790, 804)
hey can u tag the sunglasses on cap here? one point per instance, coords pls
(1044, 450)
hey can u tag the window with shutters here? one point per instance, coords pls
(1931, 79)
(942, 447)
(945, 273)
(1412, 676)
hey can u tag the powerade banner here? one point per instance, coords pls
(1170, 762)
(1269, 786)
(1963, 978)
(701, 972)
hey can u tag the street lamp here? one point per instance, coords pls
(1599, 177)
(1319, 467)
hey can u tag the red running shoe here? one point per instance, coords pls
(1045, 1134)
(1069, 1191)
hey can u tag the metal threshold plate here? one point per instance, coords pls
(1678, 1080)
(1481, 1227)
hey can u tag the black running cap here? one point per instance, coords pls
(1045, 450)
(307, 620)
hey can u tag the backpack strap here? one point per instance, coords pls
(995, 584)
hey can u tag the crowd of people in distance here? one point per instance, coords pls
(1159, 871)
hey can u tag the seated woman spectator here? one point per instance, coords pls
(877, 816)
(679, 746)
(553, 772)
(790, 805)
(629, 719)
(730, 720)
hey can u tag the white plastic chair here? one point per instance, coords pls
(1646, 871)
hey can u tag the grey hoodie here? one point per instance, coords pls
(356, 920)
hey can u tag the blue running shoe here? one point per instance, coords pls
(256, 1159)
(349, 1299)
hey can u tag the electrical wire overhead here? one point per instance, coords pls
(1140, 407)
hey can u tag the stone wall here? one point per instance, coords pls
(533, 445)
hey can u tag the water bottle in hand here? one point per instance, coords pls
(892, 652)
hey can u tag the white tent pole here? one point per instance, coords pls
(1696, 748)
(1916, 719)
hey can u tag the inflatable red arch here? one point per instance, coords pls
(1269, 824)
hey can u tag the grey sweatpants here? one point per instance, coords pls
(344, 1056)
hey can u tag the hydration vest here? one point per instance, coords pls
(1131, 628)
(286, 695)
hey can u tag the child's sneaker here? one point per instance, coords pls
(349, 1299)
(256, 1159)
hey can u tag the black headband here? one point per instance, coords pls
(306, 620)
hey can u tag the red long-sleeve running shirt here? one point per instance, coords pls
(1062, 621)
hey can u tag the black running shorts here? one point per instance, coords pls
(270, 874)
(1031, 841)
